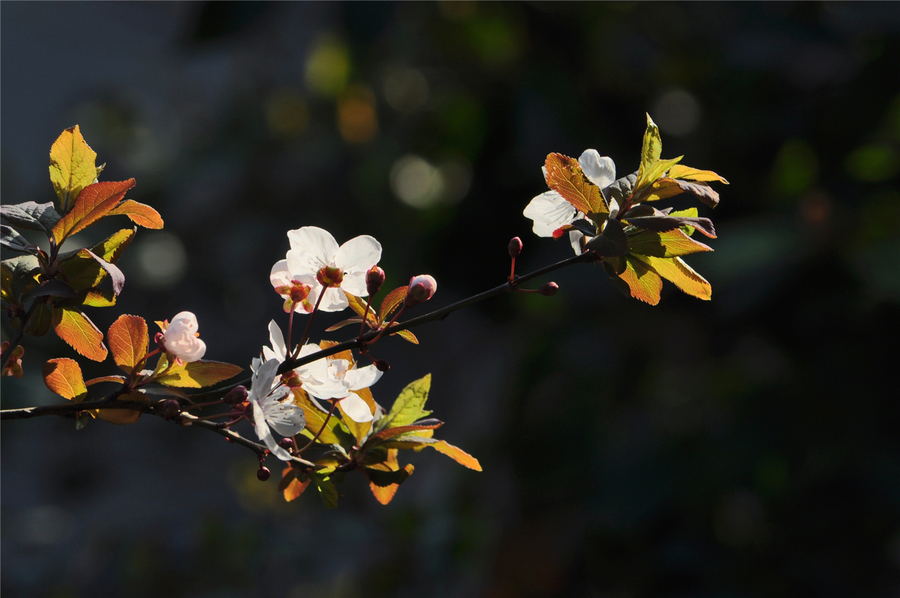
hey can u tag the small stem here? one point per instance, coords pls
(512, 270)
(311, 316)
(334, 403)
(362, 327)
(391, 323)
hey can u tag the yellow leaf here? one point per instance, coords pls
(407, 408)
(77, 329)
(644, 283)
(122, 417)
(315, 419)
(198, 374)
(693, 174)
(63, 376)
(681, 275)
(72, 166)
(671, 243)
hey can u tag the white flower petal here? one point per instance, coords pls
(286, 419)
(278, 350)
(549, 211)
(356, 409)
(358, 255)
(312, 248)
(355, 283)
(264, 434)
(600, 170)
(334, 300)
(280, 274)
(575, 237)
(360, 378)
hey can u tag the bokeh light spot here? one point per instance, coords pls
(677, 112)
(416, 182)
(796, 168)
(161, 260)
(357, 118)
(328, 66)
(873, 163)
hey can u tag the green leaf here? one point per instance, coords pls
(315, 419)
(41, 320)
(72, 166)
(681, 275)
(72, 326)
(327, 491)
(651, 166)
(671, 243)
(408, 407)
(83, 271)
(31, 216)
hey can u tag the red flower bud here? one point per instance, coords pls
(382, 365)
(286, 443)
(515, 247)
(170, 408)
(263, 474)
(421, 289)
(374, 280)
(548, 289)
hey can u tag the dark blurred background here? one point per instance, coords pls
(747, 446)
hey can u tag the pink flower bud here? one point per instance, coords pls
(236, 395)
(263, 474)
(374, 280)
(421, 289)
(515, 247)
(548, 289)
(181, 338)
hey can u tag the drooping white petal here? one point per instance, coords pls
(364, 377)
(280, 274)
(312, 248)
(264, 434)
(575, 237)
(356, 409)
(600, 170)
(549, 211)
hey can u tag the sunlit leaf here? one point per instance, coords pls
(128, 342)
(198, 374)
(93, 203)
(315, 419)
(327, 491)
(98, 298)
(408, 407)
(72, 166)
(115, 378)
(643, 282)
(457, 454)
(388, 433)
(82, 271)
(391, 302)
(564, 175)
(671, 243)
(408, 336)
(72, 326)
(291, 486)
(63, 376)
(692, 174)
(650, 150)
(386, 476)
(140, 214)
(681, 275)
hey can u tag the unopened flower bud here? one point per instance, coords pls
(286, 443)
(548, 289)
(381, 365)
(170, 408)
(374, 280)
(421, 289)
(515, 247)
(236, 395)
(263, 474)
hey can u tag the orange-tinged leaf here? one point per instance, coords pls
(408, 336)
(659, 189)
(681, 275)
(457, 454)
(692, 174)
(127, 339)
(667, 244)
(358, 305)
(140, 214)
(295, 488)
(93, 203)
(63, 376)
(77, 329)
(643, 282)
(198, 374)
(72, 166)
(385, 494)
(315, 419)
(122, 417)
(392, 301)
(564, 175)
(116, 378)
